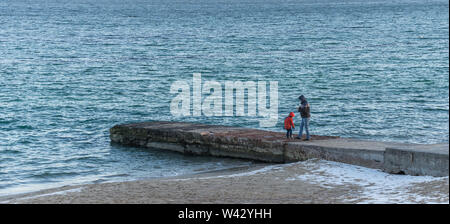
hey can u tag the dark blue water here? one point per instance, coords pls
(70, 70)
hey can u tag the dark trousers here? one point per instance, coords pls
(288, 133)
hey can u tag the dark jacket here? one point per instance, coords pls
(304, 109)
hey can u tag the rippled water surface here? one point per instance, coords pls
(70, 70)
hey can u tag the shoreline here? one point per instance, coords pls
(311, 181)
(69, 187)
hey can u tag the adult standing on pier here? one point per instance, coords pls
(305, 114)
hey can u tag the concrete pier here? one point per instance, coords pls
(268, 146)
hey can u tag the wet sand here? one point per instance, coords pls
(312, 181)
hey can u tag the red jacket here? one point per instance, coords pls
(288, 123)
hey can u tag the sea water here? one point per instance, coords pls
(70, 70)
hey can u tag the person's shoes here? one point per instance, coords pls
(307, 139)
(298, 138)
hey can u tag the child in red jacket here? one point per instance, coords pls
(289, 125)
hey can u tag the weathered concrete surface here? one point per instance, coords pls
(267, 146)
(417, 160)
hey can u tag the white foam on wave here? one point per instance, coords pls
(377, 186)
(241, 174)
(48, 194)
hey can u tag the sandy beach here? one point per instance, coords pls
(312, 181)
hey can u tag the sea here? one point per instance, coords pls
(70, 70)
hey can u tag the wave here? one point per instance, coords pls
(50, 174)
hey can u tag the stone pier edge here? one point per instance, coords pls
(266, 146)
